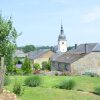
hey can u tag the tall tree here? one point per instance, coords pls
(8, 35)
(26, 66)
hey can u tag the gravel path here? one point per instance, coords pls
(7, 95)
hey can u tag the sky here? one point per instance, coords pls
(39, 21)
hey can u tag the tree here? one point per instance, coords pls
(27, 48)
(26, 66)
(43, 47)
(8, 36)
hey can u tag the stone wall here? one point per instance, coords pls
(89, 63)
(58, 66)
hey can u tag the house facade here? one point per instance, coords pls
(81, 59)
(40, 56)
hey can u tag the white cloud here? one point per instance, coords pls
(91, 16)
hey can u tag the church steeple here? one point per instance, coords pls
(62, 31)
(62, 43)
(61, 36)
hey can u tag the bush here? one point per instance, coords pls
(17, 89)
(56, 73)
(33, 81)
(64, 73)
(46, 65)
(97, 90)
(6, 80)
(67, 84)
(91, 74)
(36, 66)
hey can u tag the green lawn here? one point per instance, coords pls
(47, 91)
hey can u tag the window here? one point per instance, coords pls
(62, 42)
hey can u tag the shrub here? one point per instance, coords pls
(64, 73)
(26, 66)
(36, 66)
(33, 81)
(67, 84)
(6, 80)
(46, 65)
(17, 89)
(91, 74)
(56, 73)
(97, 90)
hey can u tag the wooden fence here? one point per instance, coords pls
(2, 72)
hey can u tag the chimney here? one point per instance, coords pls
(75, 46)
(86, 48)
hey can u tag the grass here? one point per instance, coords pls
(47, 91)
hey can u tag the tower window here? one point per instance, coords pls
(62, 42)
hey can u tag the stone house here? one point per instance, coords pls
(40, 56)
(80, 59)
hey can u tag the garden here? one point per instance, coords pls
(43, 87)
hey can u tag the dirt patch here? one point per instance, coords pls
(7, 95)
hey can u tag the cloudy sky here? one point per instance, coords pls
(40, 20)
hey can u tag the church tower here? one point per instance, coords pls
(62, 42)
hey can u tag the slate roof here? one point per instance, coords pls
(20, 54)
(96, 48)
(81, 48)
(75, 54)
(37, 54)
(69, 58)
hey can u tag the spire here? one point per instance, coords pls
(62, 31)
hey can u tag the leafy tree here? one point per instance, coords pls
(46, 65)
(27, 48)
(36, 66)
(26, 66)
(44, 47)
(8, 36)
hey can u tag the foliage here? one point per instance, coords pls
(46, 65)
(17, 71)
(48, 84)
(27, 48)
(56, 73)
(33, 81)
(64, 73)
(6, 80)
(16, 59)
(97, 90)
(8, 36)
(17, 89)
(36, 66)
(43, 47)
(26, 66)
(90, 74)
(67, 84)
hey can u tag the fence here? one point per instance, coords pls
(2, 72)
